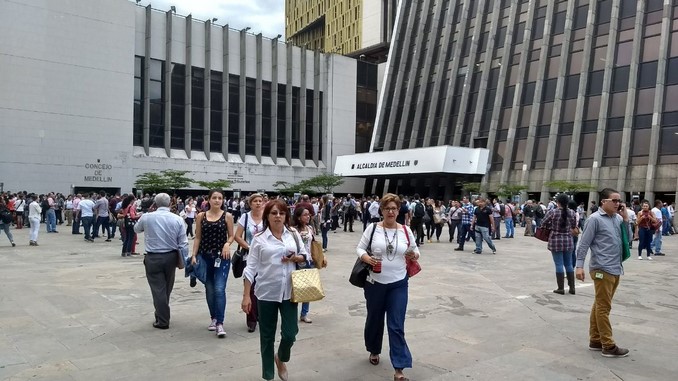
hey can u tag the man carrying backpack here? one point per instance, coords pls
(349, 212)
(417, 211)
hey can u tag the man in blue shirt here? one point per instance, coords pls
(165, 235)
(603, 235)
(466, 218)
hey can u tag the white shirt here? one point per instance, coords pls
(34, 210)
(274, 278)
(374, 209)
(657, 213)
(392, 266)
(19, 205)
(69, 204)
(631, 214)
(86, 208)
(190, 211)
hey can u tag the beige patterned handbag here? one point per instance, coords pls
(306, 286)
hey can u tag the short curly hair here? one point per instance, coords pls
(388, 198)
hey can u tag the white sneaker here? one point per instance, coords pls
(213, 325)
(220, 331)
(640, 258)
(650, 259)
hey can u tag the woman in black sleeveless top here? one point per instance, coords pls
(213, 238)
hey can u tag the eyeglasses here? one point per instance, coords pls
(390, 210)
(615, 200)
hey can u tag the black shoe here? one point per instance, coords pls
(615, 352)
(193, 282)
(660, 254)
(13, 244)
(251, 327)
(477, 252)
(458, 249)
(108, 240)
(158, 326)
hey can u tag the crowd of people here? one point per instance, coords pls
(275, 235)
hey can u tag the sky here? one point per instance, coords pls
(263, 16)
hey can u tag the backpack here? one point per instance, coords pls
(351, 209)
(5, 216)
(502, 210)
(419, 210)
(539, 212)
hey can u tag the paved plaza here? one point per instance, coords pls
(70, 310)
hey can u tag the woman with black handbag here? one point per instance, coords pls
(386, 289)
(213, 239)
(250, 224)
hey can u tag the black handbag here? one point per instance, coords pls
(238, 262)
(361, 269)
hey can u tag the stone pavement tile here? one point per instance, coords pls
(61, 370)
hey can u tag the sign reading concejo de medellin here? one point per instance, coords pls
(384, 164)
(98, 173)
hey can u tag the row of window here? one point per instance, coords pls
(193, 117)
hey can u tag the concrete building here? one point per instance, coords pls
(97, 92)
(579, 90)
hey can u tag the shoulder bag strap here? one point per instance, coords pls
(369, 245)
(406, 235)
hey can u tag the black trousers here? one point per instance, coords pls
(417, 228)
(160, 271)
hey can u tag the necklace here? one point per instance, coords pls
(390, 249)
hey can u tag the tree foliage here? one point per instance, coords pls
(568, 186)
(216, 184)
(167, 180)
(472, 188)
(324, 183)
(509, 190)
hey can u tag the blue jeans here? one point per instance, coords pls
(215, 287)
(127, 240)
(483, 234)
(5, 228)
(103, 222)
(113, 227)
(390, 300)
(464, 231)
(562, 258)
(87, 226)
(644, 241)
(657, 241)
(510, 229)
(51, 220)
(324, 229)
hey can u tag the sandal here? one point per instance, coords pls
(374, 359)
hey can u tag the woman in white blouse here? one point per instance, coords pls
(386, 290)
(274, 254)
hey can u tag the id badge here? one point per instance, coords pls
(599, 275)
(217, 262)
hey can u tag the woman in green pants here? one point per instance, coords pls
(274, 254)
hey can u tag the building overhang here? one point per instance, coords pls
(429, 160)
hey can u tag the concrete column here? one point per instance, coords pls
(517, 97)
(631, 97)
(316, 107)
(207, 91)
(167, 115)
(470, 69)
(558, 102)
(258, 101)
(605, 98)
(188, 109)
(453, 73)
(302, 108)
(448, 31)
(399, 70)
(274, 99)
(583, 85)
(536, 104)
(485, 74)
(499, 100)
(146, 82)
(224, 91)
(243, 98)
(288, 105)
(426, 69)
(400, 142)
(658, 102)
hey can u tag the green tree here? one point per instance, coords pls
(324, 183)
(473, 188)
(167, 180)
(286, 188)
(568, 186)
(508, 190)
(217, 184)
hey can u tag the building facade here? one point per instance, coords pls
(579, 90)
(95, 93)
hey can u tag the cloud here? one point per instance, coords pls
(265, 16)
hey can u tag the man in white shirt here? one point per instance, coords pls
(374, 210)
(657, 240)
(76, 214)
(86, 206)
